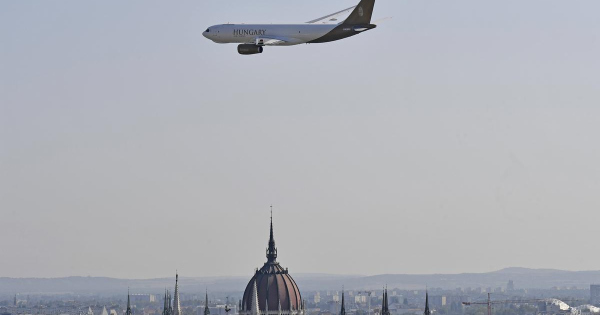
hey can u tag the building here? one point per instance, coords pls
(360, 299)
(595, 294)
(510, 286)
(217, 310)
(143, 298)
(272, 291)
(438, 301)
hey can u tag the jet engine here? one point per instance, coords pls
(249, 49)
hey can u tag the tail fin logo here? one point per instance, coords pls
(360, 11)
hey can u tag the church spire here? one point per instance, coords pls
(272, 250)
(384, 304)
(206, 309)
(165, 307)
(128, 311)
(176, 302)
(427, 311)
(343, 310)
(387, 300)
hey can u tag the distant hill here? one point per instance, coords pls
(524, 278)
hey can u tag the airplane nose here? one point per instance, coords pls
(204, 34)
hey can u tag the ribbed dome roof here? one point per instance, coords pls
(273, 284)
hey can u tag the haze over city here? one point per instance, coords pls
(458, 136)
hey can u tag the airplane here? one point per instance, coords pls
(253, 37)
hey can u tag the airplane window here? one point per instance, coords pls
(208, 30)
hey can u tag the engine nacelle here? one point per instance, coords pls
(249, 49)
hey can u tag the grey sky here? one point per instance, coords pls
(458, 136)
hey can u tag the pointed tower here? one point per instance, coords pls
(271, 250)
(206, 309)
(272, 288)
(387, 301)
(104, 311)
(170, 301)
(166, 303)
(427, 311)
(176, 302)
(343, 309)
(384, 304)
(128, 311)
(254, 310)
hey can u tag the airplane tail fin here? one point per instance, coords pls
(362, 13)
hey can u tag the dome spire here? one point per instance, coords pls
(272, 250)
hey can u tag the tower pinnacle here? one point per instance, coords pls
(206, 309)
(176, 302)
(427, 311)
(128, 311)
(272, 250)
(343, 310)
(385, 310)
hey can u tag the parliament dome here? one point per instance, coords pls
(272, 290)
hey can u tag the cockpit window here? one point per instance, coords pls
(208, 30)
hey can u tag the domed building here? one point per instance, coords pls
(272, 291)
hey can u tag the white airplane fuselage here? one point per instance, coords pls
(289, 34)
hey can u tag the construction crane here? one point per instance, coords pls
(227, 309)
(368, 293)
(489, 302)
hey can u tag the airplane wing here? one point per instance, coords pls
(269, 41)
(335, 18)
(274, 41)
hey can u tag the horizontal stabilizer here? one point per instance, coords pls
(379, 21)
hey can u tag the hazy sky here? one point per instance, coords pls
(459, 136)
